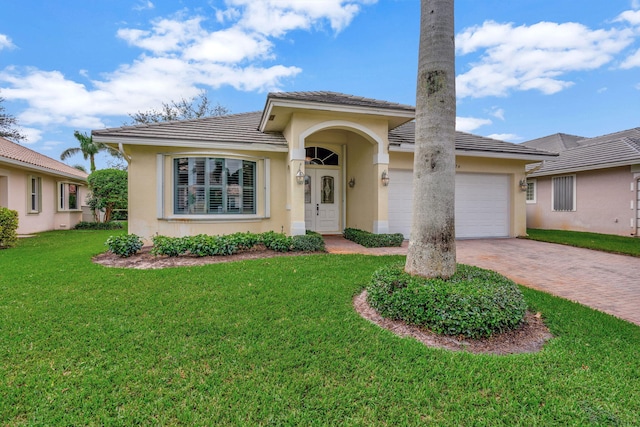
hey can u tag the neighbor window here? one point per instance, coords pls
(531, 191)
(68, 196)
(34, 194)
(214, 186)
(564, 193)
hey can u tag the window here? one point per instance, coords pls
(34, 184)
(320, 156)
(564, 193)
(214, 186)
(68, 196)
(531, 191)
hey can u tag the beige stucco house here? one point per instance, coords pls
(593, 185)
(46, 193)
(317, 161)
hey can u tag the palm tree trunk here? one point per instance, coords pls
(432, 248)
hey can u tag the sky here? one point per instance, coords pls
(524, 69)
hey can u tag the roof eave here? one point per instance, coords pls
(30, 166)
(409, 148)
(586, 168)
(183, 143)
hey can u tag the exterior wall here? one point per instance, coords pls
(151, 195)
(14, 194)
(605, 203)
(513, 168)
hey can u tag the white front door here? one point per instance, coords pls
(322, 200)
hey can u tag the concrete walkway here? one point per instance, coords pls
(606, 282)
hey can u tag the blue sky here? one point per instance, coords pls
(525, 69)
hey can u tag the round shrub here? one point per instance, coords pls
(309, 242)
(8, 227)
(474, 302)
(124, 246)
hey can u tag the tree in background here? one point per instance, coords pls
(197, 107)
(108, 191)
(432, 248)
(8, 125)
(89, 149)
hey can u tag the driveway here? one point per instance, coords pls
(606, 282)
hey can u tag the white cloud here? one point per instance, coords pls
(469, 124)
(144, 5)
(180, 55)
(498, 113)
(32, 135)
(533, 57)
(632, 61)
(505, 137)
(630, 16)
(5, 42)
(602, 90)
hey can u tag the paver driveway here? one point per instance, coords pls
(607, 282)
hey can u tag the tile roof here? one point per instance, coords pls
(233, 128)
(325, 97)
(600, 153)
(405, 134)
(13, 153)
(554, 143)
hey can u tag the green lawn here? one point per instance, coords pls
(601, 242)
(275, 342)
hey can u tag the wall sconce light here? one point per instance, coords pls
(352, 182)
(300, 175)
(523, 185)
(385, 178)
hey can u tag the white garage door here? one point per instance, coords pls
(482, 204)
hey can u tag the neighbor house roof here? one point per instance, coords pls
(606, 151)
(554, 143)
(21, 156)
(403, 138)
(241, 131)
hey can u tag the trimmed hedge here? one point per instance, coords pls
(8, 227)
(370, 240)
(474, 302)
(205, 245)
(86, 225)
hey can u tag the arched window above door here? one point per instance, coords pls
(320, 156)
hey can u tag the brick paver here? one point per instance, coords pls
(606, 282)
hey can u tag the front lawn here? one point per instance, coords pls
(600, 242)
(275, 342)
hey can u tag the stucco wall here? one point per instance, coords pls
(514, 169)
(15, 195)
(605, 203)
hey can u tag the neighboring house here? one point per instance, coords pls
(47, 194)
(317, 161)
(593, 185)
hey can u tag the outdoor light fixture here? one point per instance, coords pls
(385, 178)
(352, 182)
(300, 175)
(523, 184)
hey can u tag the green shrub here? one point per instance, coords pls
(278, 242)
(204, 245)
(124, 246)
(474, 302)
(244, 241)
(85, 225)
(170, 246)
(370, 240)
(8, 227)
(310, 242)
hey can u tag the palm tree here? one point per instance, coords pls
(432, 249)
(89, 149)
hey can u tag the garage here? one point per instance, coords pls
(482, 204)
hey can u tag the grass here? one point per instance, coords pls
(275, 342)
(601, 242)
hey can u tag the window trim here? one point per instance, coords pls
(553, 193)
(34, 197)
(63, 200)
(258, 187)
(534, 185)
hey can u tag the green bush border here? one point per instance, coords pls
(8, 227)
(474, 302)
(370, 240)
(89, 225)
(124, 246)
